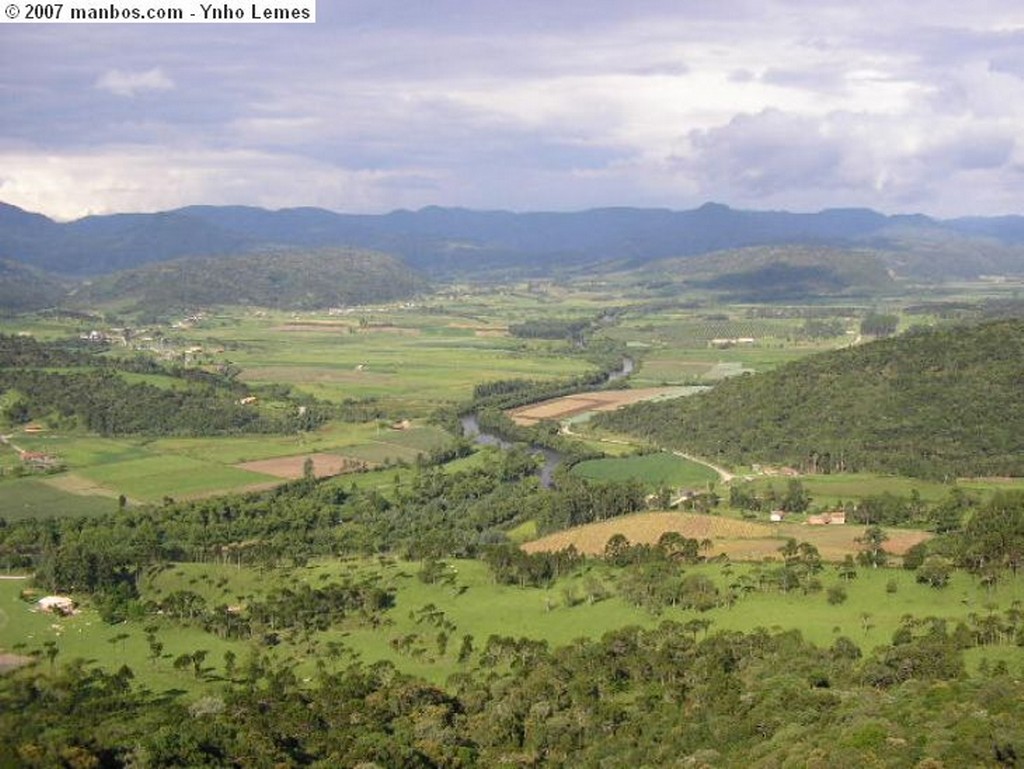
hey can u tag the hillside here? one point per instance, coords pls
(283, 279)
(23, 288)
(942, 403)
(769, 273)
(449, 242)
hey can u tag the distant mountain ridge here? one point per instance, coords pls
(445, 242)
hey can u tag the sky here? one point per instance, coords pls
(525, 106)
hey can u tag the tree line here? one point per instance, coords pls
(74, 387)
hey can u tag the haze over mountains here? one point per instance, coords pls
(443, 243)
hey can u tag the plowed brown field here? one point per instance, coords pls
(570, 405)
(324, 465)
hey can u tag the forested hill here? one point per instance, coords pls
(771, 273)
(24, 288)
(943, 403)
(280, 278)
(447, 242)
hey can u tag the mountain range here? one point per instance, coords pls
(445, 242)
(300, 258)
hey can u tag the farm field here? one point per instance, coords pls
(600, 400)
(737, 539)
(148, 470)
(408, 356)
(654, 470)
(152, 478)
(44, 496)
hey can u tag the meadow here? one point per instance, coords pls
(654, 470)
(468, 602)
(830, 491)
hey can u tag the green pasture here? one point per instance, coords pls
(871, 613)
(24, 630)
(654, 470)
(33, 497)
(830, 490)
(77, 451)
(877, 601)
(338, 437)
(154, 477)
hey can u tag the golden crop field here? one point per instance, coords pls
(739, 540)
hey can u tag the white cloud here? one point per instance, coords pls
(123, 83)
(114, 179)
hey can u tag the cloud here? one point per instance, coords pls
(789, 103)
(123, 83)
(139, 178)
(886, 161)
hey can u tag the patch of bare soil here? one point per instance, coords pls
(324, 465)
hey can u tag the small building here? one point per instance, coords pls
(32, 428)
(835, 518)
(39, 459)
(776, 516)
(56, 604)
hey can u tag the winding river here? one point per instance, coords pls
(552, 459)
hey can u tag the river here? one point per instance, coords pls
(552, 459)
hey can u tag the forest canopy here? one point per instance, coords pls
(931, 403)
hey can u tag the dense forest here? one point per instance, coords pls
(282, 278)
(23, 288)
(940, 403)
(773, 273)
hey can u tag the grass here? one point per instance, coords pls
(830, 490)
(654, 470)
(152, 478)
(147, 470)
(877, 600)
(38, 498)
(419, 359)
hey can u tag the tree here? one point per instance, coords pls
(466, 648)
(796, 498)
(994, 535)
(878, 324)
(197, 659)
(872, 554)
(617, 550)
(935, 571)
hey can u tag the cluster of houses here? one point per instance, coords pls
(39, 460)
(34, 460)
(725, 343)
(833, 518)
